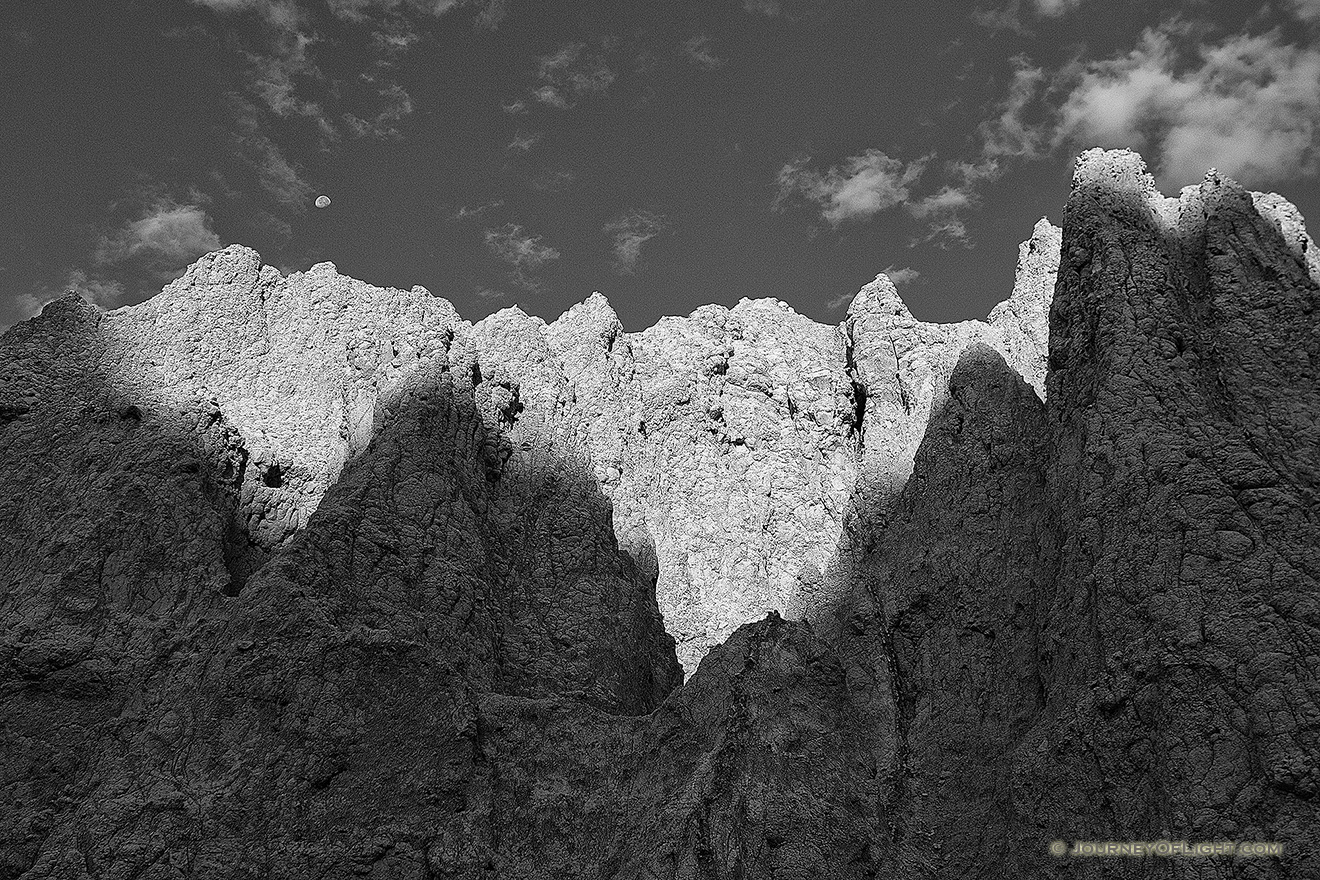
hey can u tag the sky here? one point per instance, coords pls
(667, 154)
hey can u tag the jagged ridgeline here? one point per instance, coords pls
(301, 577)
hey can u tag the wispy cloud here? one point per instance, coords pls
(275, 175)
(522, 252)
(397, 104)
(1055, 8)
(522, 143)
(1018, 127)
(628, 232)
(133, 259)
(106, 293)
(1248, 106)
(465, 212)
(861, 187)
(943, 213)
(553, 181)
(360, 10)
(789, 9)
(899, 277)
(569, 74)
(271, 78)
(163, 239)
(492, 15)
(1307, 10)
(697, 50)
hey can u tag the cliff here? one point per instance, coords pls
(302, 577)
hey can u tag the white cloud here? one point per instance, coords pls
(1249, 106)
(698, 51)
(397, 104)
(145, 251)
(275, 175)
(858, 189)
(569, 74)
(898, 277)
(943, 212)
(272, 79)
(629, 231)
(106, 293)
(466, 211)
(1009, 133)
(1307, 10)
(281, 13)
(522, 143)
(164, 239)
(522, 252)
(492, 15)
(1055, 8)
(357, 10)
(905, 275)
(553, 181)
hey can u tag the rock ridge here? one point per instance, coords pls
(302, 577)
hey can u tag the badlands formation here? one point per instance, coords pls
(300, 577)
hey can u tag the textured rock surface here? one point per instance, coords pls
(305, 578)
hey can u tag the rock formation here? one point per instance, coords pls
(301, 577)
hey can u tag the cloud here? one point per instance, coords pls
(278, 13)
(1248, 106)
(629, 231)
(553, 181)
(905, 275)
(357, 10)
(273, 69)
(697, 50)
(466, 211)
(943, 213)
(522, 143)
(1055, 8)
(569, 74)
(142, 253)
(394, 37)
(790, 9)
(857, 190)
(105, 293)
(1010, 15)
(398, 104)
(275, 175)
(163, 240)
(522, 252)
(1009, 133)
(899, 277)
(492, 15)
(1307, 10)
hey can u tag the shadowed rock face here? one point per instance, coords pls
(305, 578)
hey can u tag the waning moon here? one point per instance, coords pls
(322, 201)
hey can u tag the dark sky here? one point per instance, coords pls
(668, 154)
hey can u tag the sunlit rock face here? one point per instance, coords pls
(303, 577)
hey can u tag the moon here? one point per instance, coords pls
(322, 201)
